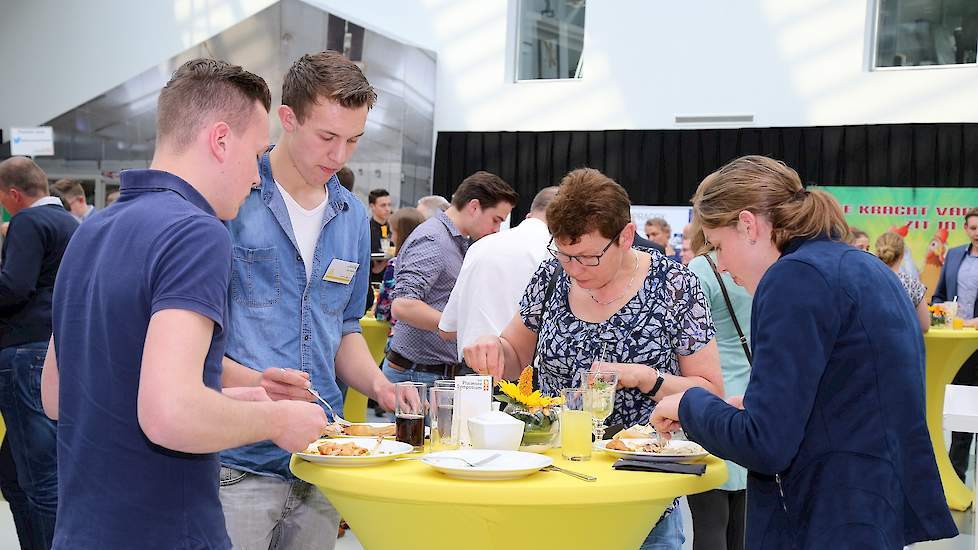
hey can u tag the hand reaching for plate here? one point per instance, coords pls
(665, 415)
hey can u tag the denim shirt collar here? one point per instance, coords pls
(136, 181)
(273, 199)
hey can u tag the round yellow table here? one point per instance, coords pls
(947, 349)
(409, 506)
(375, 333)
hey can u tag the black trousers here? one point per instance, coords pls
(959, 453)
(718, 519)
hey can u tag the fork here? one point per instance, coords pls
(571, 473)
(336, 418)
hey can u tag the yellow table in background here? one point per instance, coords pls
(947, 349)
(375, 333)
(409, 506)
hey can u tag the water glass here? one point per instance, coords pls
(410, 406)
(441, 411)
(575, 425)
(600, 388)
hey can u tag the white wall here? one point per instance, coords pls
(787, 62)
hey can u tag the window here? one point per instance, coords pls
(915, 33)
(550, 39)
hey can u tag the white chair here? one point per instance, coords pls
(961, 415)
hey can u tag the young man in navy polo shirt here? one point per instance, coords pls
(140, 316)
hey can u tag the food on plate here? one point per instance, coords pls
(638, 431)
(617, 445)
(358, 430)
(653, 447)
(333, 430)
(366, 430)
(334, 448)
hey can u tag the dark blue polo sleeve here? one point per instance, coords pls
(192, 268)
(793, 332)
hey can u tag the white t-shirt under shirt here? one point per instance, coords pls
(306, 225)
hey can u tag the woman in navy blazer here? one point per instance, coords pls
(831, 427)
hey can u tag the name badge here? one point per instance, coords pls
(341, 271)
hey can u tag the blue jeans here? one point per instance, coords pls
(667, 534)
(410, 375)
(32, 438)
(267, 513)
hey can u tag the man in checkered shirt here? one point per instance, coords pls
(427, 267)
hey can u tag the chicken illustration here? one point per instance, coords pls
(931, 272)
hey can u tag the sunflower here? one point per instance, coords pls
(522, 392)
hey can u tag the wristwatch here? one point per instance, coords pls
(658, 382)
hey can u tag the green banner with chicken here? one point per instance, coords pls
(930, 219)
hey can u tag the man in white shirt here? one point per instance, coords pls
(503, 262)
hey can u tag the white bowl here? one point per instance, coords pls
(495, 430)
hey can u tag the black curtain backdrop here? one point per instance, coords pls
(663, 167)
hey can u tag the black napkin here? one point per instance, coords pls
(639, 465)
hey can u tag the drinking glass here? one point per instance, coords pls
(575, 425)
(600, 394)
(441, 413)
(952, 311)
(410, 404)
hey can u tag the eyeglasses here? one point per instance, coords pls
(589, 261)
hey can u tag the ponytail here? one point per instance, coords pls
(768, 188)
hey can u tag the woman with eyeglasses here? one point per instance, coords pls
(611, 307)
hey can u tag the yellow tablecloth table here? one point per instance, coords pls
(409, 506)
(947, 349)
(375, 333)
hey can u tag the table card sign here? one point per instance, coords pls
(473, 396)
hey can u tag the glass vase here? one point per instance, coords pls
(541, 427)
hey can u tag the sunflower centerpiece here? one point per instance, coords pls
(938, 315)
(539, 413)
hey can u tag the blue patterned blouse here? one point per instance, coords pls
(668, 317)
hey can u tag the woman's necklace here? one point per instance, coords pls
(628, 287)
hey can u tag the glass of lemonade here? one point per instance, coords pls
(600, 395)
(575, 424)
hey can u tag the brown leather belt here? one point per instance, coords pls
(400, 363)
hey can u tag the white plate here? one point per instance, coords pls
(388, 450)
(508, 465)
(697, 451)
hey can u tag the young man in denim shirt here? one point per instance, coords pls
(301, 262)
